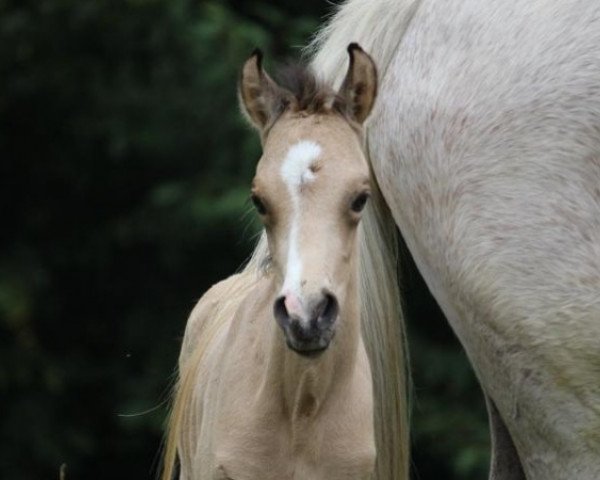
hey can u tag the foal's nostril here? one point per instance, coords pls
(280, 311)
(327, 311)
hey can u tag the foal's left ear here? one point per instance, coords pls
(360, 85)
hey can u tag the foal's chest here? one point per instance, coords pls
(270, 448)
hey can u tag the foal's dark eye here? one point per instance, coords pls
(258, 204)
(359, 202)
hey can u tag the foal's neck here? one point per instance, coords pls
(304, 384)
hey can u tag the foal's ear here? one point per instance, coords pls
(359, 89)
(261, 99)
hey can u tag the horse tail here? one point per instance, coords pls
(211, 313)
(378, 26)
(385, 339)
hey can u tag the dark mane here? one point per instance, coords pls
(310, 94)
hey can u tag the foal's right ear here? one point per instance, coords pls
(261, 99)
(359, 88)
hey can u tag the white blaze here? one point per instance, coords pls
(296, 171)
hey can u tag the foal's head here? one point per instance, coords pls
(311, 185)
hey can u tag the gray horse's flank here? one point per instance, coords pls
(486, 144)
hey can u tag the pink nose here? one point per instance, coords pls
(293, 306)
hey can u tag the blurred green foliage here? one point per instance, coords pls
(125, 168)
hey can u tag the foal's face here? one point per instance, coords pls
(311, 185)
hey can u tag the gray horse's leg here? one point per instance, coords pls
(505, 464)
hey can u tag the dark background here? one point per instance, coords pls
(125, 168)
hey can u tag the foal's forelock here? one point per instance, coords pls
(298, 90)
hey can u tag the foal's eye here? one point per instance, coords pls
(359, 202)
(258, 204)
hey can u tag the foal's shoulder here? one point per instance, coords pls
(215, 295)
(206, 310)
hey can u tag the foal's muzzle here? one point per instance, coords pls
(308, 333)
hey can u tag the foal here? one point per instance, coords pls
(278, 385)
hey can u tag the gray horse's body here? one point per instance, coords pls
(486, 144)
